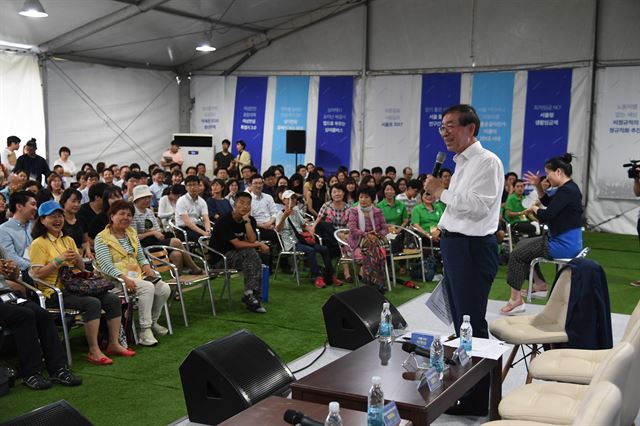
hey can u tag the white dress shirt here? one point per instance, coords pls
(263, 208)
(474, 194)
(195, 209)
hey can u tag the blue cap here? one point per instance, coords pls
(49, 207)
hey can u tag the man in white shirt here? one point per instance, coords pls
(192, 213)
(468, 243)
(264, 211)
(8, 155)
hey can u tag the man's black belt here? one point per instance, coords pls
(449, 234)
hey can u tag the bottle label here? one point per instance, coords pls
(375, 416)
(385, 329)
(466, 343)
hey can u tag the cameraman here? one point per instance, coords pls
(636, 190)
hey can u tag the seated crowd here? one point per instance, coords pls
(108, 214)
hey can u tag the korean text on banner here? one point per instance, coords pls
(248, 117)
(439, 91)
(546, 119)
(493, 100)
(333, 135)
(292, 97)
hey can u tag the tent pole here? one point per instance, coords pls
(185, 103)
(594, 69)
(45, 103)
(365, 65)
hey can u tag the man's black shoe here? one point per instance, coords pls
(66, 378)
(463, 410)
(36, 382)
(253, 304)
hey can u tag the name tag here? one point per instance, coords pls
(422, 339)
(431, 379)
(462, 356)
(391, 415)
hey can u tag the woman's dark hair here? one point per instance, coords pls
(285, 178)
(561, 162)
(226, 187)
(400, 180)
(178, 189)
(340, 187)
(219, 182)
(68, 193)
(108, 193)
(29, 183)
(279, 192)
(85, 165)
(43, 195)
(63, 149)
(120, 205)
(371, 192)
(51, 177)
(365, 180)
(296, 178)
(391, 184)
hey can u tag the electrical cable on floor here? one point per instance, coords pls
(324, 349)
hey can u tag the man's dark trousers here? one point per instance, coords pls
(470, 266)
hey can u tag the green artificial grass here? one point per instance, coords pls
(146, 389)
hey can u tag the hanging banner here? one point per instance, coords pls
(439, 91)
(207, 115)
(546, 119)
(248, 117)
(333, 135)
(493, 100)
(292, 94)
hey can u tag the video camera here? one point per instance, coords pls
(634, 169)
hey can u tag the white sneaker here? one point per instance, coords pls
(146, 338)
(159, 330)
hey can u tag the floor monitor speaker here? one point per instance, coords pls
(352, 317)
(223, 377)
(54, 414)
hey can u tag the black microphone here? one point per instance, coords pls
(410, 347)
(439, 160)
(294, 417)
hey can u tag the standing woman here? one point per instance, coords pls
(54, 185)
(316, 197)
(563, 216)
(51, 250)
(74, 225)
(119, 254)
(69, 168)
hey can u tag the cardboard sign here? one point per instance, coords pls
(431, 378)
(391, 415)
(461, 355)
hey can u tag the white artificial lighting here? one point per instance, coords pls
(205, 47)
(33, 9)
(4, 43)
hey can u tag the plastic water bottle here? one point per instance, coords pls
(466, 334)
(385, 330)
(375, 407)
(333, 419)
(436, 354)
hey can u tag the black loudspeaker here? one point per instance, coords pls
(352, 317)
(296, 141)
(57, 413)
(223, 377)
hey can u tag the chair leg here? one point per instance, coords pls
(386, 271)
(393, 268)
(228, 285)
(209, 285)
(65, 334)
(166, 313)
(296, 272)
(534, 351)
(275, 272)
(507, 366)
(355, 274)
(184, 309)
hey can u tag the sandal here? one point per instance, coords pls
(102, 361)
(511, 309)
(126, 353)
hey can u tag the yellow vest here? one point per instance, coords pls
(122, 259)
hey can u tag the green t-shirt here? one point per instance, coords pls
(425, 218)
(514, 204)
(393, 215)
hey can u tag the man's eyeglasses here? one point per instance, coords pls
(447, 128)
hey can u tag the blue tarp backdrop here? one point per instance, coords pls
(248, 117)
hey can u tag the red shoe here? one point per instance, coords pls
(410, 284)
(335, 281)
(320, 283)
(126, 353)
(102, 361)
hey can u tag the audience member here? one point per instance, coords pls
(426, 215)
(15, 233)
(445, 177)
(514, 212)
(243, 158)
(8, 156)
(68, 167)
(36, 166)
(263, 210)
(217, 204)
(88, 211)
(223, 159)
(74, 225)
(91, 178)
(172, 155)
(110, 195)
(410, 197)
(316, 196)
(231, 189)
(157, 187)
(191, 213)
(167, 203)
(54, 185)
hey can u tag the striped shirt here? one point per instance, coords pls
(145, 221)
(105, 259)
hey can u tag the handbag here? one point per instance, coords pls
(304, 237)
(83, 283)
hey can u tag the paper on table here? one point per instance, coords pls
(439, 304)
(485, 348)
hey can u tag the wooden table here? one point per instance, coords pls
(270, 411)
(348, 379)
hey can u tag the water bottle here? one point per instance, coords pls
(385, 330)
(333, 419)
(436, 354)
(466, 333)
(375, 407)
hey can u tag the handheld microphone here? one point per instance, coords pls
(294, 417)
(410, 347)
(439, 160)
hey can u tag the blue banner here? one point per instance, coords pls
(333, 136)
(292, 97)
(546, 118)
(248, 115)
(439, 91)
(493, 101)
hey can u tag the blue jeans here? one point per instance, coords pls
(310, 256)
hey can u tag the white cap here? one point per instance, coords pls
(288, 194)
(334, 407)
(466, 318)
(376, 380)
(385, 305)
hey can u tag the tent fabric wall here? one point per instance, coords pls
(21, 101)
(616, 141)
(110, 114)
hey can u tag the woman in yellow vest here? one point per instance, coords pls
(119, 254)
(49, 251)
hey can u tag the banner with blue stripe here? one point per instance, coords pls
(248, 116)
(292, 97)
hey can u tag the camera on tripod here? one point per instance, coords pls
(634, 169)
